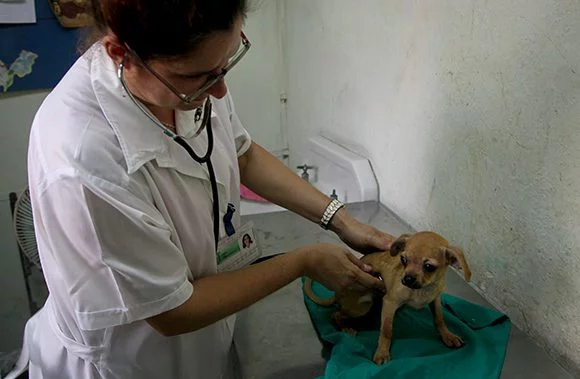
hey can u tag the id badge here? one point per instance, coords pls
(238, 250)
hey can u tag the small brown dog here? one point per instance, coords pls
(414, 274)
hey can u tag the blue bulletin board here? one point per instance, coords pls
(36, 56)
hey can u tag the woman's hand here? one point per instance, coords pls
(338, 269)
(361, 237)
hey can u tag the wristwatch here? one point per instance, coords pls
(329, 213)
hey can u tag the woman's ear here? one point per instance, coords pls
(114, 48)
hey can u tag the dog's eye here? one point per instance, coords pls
(428, 267)
(403, 260)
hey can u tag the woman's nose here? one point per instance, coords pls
(218, 90)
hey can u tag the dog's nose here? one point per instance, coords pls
(409, 281)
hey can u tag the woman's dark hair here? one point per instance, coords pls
(165, 28)
(244, 239)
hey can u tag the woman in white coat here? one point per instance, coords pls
(125, 218)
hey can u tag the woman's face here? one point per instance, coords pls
(246, 240)
(187, 74)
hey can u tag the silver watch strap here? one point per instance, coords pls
(330, 211)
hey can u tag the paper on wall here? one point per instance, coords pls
(17, 12)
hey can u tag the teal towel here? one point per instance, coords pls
(416, 350)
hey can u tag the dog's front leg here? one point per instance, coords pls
(383, 352)
(448, 338)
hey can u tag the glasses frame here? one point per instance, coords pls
(246, 44)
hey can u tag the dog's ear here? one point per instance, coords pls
(399, 244)
(455, 257)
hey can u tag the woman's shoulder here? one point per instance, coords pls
(70, 131)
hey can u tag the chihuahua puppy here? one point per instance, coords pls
(414, 274)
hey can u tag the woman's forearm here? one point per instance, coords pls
(218, 296)
(268, 177)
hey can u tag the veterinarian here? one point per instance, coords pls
(135, 164)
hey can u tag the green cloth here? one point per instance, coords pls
(416, 350)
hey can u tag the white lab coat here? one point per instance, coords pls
(123, 218)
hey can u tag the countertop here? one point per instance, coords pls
(275, 338)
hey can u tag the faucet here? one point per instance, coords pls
(305, 169)
(333, 195)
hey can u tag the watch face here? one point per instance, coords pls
(71, 13)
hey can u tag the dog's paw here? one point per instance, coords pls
(349, 331)
(451, 340)
(382, 356)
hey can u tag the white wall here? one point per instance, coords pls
(258, 81)
(16, 114)
(470, 112)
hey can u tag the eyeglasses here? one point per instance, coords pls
(242, 50)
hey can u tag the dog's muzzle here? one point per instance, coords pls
(411, 282)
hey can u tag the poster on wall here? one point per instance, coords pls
(17, 12)
(36, 56)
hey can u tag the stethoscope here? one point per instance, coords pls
(205, 117)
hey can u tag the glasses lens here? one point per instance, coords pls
(243, 48)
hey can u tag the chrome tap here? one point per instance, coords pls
(305, 169)
(333, 195)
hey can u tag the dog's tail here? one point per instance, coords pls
(318, 300)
